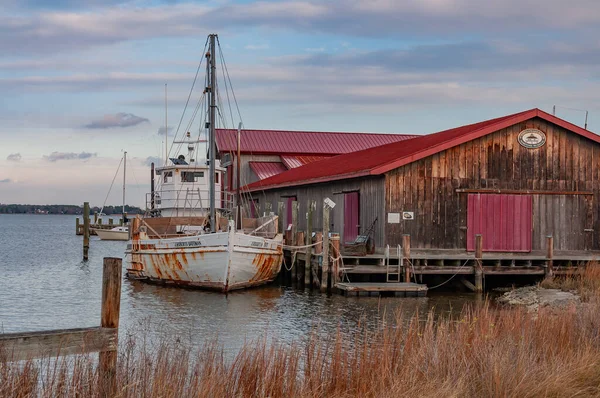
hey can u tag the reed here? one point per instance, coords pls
(485, 351)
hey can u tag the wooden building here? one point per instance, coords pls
(265, 153)
(514, 179)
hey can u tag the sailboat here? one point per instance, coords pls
(190, 236)
(120, 232)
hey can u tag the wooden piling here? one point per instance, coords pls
(77, 226)
(111, 304)
(335, 253)
(293, 242)
(325, 265)
(86, 229)
(311, 206)
(110, 221)
(406, 256)
(299, 270)
(478, 263)
(549, 257)
(268, 209)
(280, 227)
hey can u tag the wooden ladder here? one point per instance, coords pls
(392, 272)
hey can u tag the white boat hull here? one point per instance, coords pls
(108, 234)
(221, 261)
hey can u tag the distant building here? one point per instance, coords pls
(515, 180)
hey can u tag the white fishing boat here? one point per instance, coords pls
(190, 236)
(120, 232)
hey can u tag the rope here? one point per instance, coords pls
(111, 185)
(289, 247)
(442, 284)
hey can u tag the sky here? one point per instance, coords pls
(84, 80)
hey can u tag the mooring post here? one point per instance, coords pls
(478, 263)
(311, 205)
(294, 241)
(549, 257)
(335, 253)
(77, 226)
(299, 270)
(280, 227)
(406, 256)
(111, 305)
(86, 229)
(325, 262)
(95, 218)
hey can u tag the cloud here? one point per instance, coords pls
(161, 131)
(116, 120)
(56, 156)
(14, 157)
(153, 159)
(6, 180)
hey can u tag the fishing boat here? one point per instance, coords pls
(120, 232)
(194, 233)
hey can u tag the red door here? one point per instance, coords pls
(351, 216)
(504, 221)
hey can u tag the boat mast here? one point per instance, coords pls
(166, 129)
(238, 196)
(124, 173)
(211, 139)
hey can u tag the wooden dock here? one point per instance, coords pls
(397, 289)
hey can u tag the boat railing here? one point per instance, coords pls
(188, 199)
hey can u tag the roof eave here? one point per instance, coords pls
(309, 181)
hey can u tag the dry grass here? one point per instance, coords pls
(485, 352)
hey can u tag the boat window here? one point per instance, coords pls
(190, 176)
(167, 175)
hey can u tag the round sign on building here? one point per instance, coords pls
(532, 138)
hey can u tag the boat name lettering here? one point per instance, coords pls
(188, 244)
(258, 244)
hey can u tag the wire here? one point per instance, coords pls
(111, 185)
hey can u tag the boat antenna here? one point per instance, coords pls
(211, 139)
(238, 168)
(124, 173)
(166, 129)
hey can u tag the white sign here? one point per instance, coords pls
(393, 218)
(408, 215)
(532, 138)
(330, 203)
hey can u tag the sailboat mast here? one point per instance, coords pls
(211, 139)
(124, 174)
(238, 167)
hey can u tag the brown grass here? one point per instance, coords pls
(485, 352)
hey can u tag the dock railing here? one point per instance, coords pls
(102, 339)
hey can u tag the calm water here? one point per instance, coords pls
(45, 285)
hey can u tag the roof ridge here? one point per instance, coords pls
(317, 131)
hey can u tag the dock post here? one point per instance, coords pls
(478, 263)
(95, 218)
(280, 227)
(406, 256)
(111, 304)
(335, 253)
(268, 209)
(325, 255)
(77, 226)
(299, 270)
(293, 240)
(549, 257)
(86, 229)
(307, 257)
(110, 221)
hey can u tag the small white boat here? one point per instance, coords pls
(117, 233)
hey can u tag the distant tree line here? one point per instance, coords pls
(64, 209)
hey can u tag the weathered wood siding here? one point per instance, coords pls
(372, 203)
(247, 175)
(565, 164)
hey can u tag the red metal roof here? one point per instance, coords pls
(291, 161)
(267, 169)
(378, 160)
(301, 142)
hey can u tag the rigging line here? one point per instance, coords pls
(226, 86)
(111, 185)
(228, 78)
(191, 91)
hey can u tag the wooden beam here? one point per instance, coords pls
(523, 192)
(549, 257)
(53, 343)
(311, 206)
(109, 318)
(325, 266)
(406, 256)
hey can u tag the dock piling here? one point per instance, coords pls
(325, 266)
(307, 258)
(479, 263)
(549, 257)
(335, 253)
(111, 304)
(86, 230)
(406, 256)
(294, 238)
(299, 270)
(280, 227)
